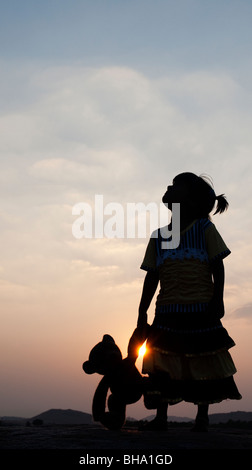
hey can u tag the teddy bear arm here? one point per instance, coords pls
(99, 399)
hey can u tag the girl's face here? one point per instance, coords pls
(177, 192)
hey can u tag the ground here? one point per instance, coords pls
(91, 437)
(71, 443)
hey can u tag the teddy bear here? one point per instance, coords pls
(120, 375)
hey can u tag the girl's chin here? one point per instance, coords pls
(168, 205)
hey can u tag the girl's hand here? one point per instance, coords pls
(216, 308)
(142, 320)
(216, 305)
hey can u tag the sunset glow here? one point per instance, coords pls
(142, 350)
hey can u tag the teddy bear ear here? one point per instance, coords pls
(88, 368)
(108, 339)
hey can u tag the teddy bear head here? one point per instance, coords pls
(104, 357)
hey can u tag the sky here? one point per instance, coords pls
(112, 98)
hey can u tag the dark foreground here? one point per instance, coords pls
(90, 444)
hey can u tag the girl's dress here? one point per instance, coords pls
(187, 348)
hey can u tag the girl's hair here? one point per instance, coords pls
(202, 194)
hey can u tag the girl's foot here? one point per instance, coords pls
(201, 425)
(156, 424)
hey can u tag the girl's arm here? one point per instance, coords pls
(149, 288)
(217, 303)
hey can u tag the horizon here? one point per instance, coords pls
(148, 416)
(115, 100)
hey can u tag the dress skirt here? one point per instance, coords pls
(188, 359)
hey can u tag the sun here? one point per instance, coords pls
(142, 350)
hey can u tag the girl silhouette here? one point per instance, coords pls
(187, 348)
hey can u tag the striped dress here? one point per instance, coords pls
(187, 348)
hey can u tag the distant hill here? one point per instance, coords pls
(233, 415)
(13, 420)
(214, 418)
(57, 416)
(73, 417)
(177, 419)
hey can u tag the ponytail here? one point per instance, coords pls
(202, 194)
(222, 204)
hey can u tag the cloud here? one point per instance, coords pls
(244, 312)
(113, 115)
(13, 292)
(202, 91)
(117, 132)
(86, 170)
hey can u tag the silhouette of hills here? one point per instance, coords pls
(58, 416)
(73, 417)
(171, 418)
(216, 418)
(52, 416)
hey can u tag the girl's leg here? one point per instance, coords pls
(162, 413)
(201, 421)
(159, 423)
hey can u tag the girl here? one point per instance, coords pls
(187, 349)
